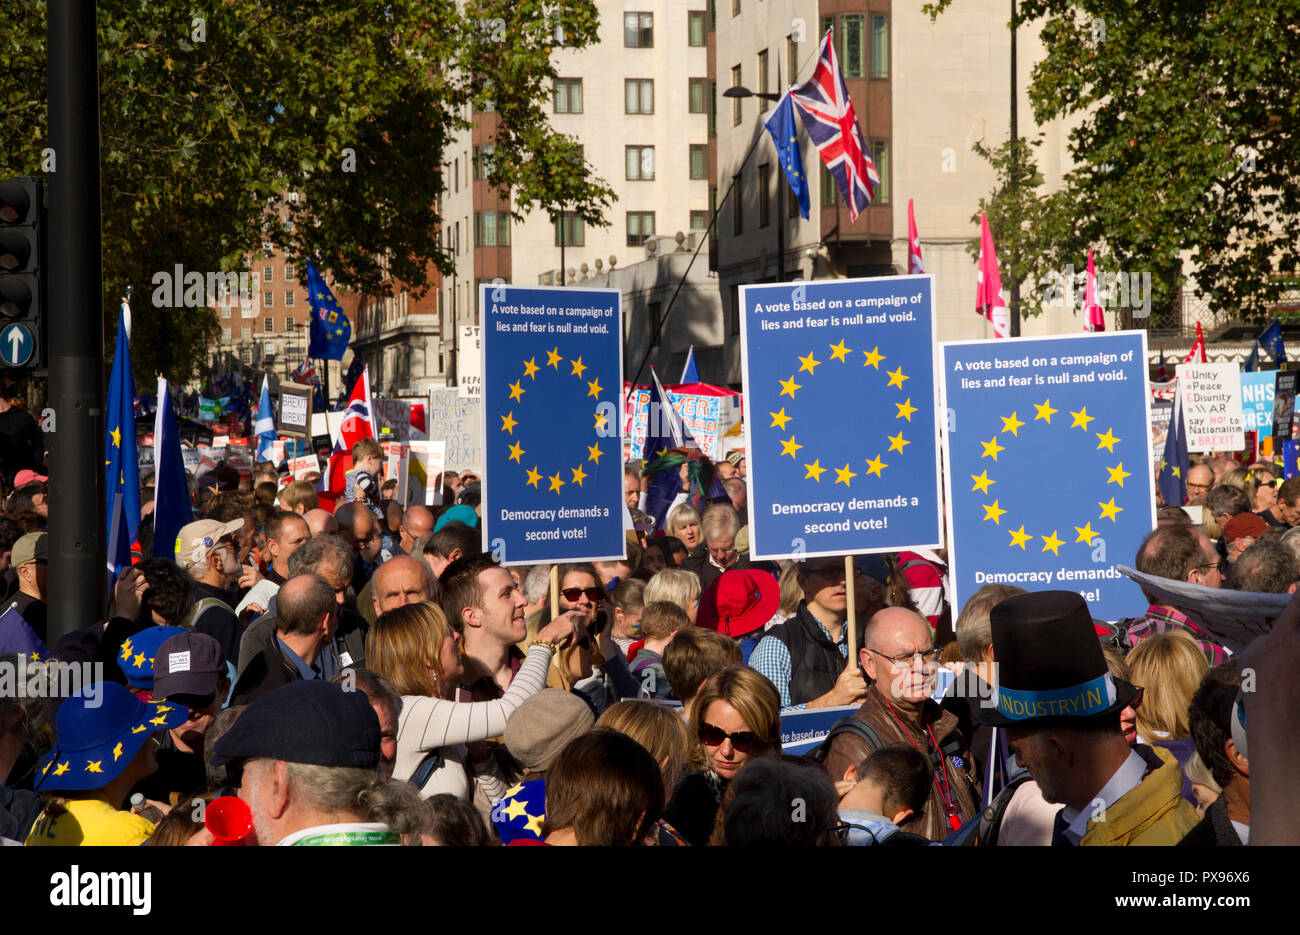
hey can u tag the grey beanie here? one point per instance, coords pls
(541, 727)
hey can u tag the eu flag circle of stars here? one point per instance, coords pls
(840, 354)
(1050, 419)
(563, 369)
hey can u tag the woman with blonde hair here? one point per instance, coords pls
(678, 587)
(661, 731)
(684, 523)
(735, 716)
(415, 648)
(1258, 485)
(1169, 668)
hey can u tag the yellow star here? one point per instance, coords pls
(534, 824)
(788, 387)
(779, 419)
(982, 482)
(160, 720)
(874, 357)
(1085, 533)
(531, 368)
(789, 446)
(578, 367)
(1109, 510)
(138, 728)
(62, 768)
(515, 809)
(594, 387)
(594, 453)
(601, 420)
(36, 657)
(126, 650)
(1107, 441)
(1053, 543)
(553, 357)
(815, 470)
(579, 475)
(117, 437)
(875, 466)
(508, 423)
(117, 752)
(897, 442)
(896, 377)
(516, 391)
(94, 766)
(1117, 474)
(844, 475)
(1081, 418)
(905, 409)
(994, 512)
(162, 708)
(516, 452)
(556, 483)
(1011, 425)
(1045, 411)
(139, 660)
(533, 477)
(809, 363)
(1177, 472)
(840, 352)
(1020, 537)
(991, 448)
(47, 767)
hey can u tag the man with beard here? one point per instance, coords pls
(208, 550)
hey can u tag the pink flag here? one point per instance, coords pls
(1096, 319)
(1197, 354)
(988, 289)
(914, 263)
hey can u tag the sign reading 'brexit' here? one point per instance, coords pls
(552, 383)
(1046, 451)
(839, 390)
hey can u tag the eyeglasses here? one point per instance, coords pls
(1224, 566)
(595, 595)
(374, 534)
(902, 660)
(746, 741)
(833, 572)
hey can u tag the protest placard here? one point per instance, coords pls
(552, 387)
(1257, 402)
(803, 731)
(424, 466)
(839, 387)
(295, 411)
(708, 418)
(469, 375)
(458, 422)
(393, 418)
(301, 467)
(240, 457)
(1283, 404)
(192, 458)
(1211, 396)
(397, 457)
(1046, 451)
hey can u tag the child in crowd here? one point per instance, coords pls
(883, 791)
(659, 624)
(363, 482)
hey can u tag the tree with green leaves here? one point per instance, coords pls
(1186, 147)
(208, 118)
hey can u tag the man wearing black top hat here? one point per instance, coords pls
(1060, 707)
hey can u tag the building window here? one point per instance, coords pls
(737, 206)
(225, 311)
(639, 30)
(290, 272)
(246, 332)
(456, 238)
(268, 299)
(713, 108)
(699, 95)
(879, 150)
(791, 60)
(699, 161)
(288, 298)
(695, 27)
(570, 227)
(654, 321)
(640, 227)
(764, 196)
(699, 220)
(735, 309)
(491, 229)
(568, 95)
(268, 274)
(455, 174)
(853, 46)
(735, 7)
(639, 94)
(268, 323)
(830, 191)
(225, 334)
(791, 202)
(640, 163)
(762, 81)
(483, 161)
(736, 112)
(713, 14)
(879, 45)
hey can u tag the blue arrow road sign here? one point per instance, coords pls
(16, 345)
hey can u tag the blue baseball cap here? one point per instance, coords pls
(137, 653)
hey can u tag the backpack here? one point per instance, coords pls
(859, 728)
(1119, 637)
(983, 829)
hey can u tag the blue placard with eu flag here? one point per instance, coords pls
(1046, 455)
(552, 424)
(841, 416)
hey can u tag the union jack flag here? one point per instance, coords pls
(832, 125)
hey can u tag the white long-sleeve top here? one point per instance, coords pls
(428, 723)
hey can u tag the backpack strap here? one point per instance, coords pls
(848, 725)
(430, 764)
(201, 607)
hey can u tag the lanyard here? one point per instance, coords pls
(349, 838)
(940, 777)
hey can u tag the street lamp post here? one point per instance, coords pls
(743, 92)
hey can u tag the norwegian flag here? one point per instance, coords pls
(914, 263)
(358, 423)
(1096, 319)
(832, 125)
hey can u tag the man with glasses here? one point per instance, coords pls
(1179, 553)
(360, 529)
(899, 656)
(1200, 478)
(719, 525)
(208, 550)
(806, 657)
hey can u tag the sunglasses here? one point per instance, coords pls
(595, 595)
(746, 741)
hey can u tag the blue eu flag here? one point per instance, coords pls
(782, 127)
(1271, 340)
(1172, 479)
(171, 502)
(122, 472)
(330, 329)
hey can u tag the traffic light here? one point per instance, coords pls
(21, 209)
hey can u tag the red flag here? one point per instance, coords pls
(1197, 353)
(1096, 318)
(914, 262)
(988, 290)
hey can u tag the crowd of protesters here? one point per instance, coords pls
(370, 675)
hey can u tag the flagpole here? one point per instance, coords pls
(780, 204)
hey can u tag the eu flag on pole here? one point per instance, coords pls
(1172, 479)
(330, 329)
(122, 474)
(781, 126)
(1271, 340)
(171, 500)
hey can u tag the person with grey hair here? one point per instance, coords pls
(387, 703)
(304, 630)
(1291, 539)
(537, 589)
(1267, 567)
(718, 526)
(738, 492)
